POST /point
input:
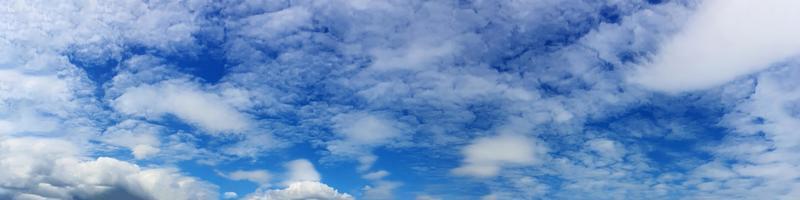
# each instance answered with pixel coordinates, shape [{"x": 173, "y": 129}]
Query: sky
[{"x": 399, "y": 99}]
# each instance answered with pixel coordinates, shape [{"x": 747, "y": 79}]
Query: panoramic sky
[{"x": 399, "y": 99}]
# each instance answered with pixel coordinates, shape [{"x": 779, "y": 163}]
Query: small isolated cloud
[
  {"x": 427, "y": 197},
  {"x": 725, "y": 39},
  {"x": 261, "y": 177},
  {"x": 485, "y": 157},
  {"x": 230, "y": 195},
  {"x": 184, "y": 100},
  {"x": 376, "y": 175}
]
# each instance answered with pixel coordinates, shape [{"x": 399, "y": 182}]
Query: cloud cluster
[
  {"x": 39, "y": 168},
  {"x": 526, "y": 99}
]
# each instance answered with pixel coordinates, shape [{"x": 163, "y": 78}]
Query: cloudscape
[{"x": 399, "y": 99}]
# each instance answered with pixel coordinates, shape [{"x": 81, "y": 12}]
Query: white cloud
[
  {"x": 262, "y": 177},
  {"x": 230, "y": 195},
  {"x": 724, "y": 40},
  {"x": 376, "y": 175},
  {"x": 271, "y": 25},
  {"x": 485, "y": 157},
  {"x": 427, "y": 197},
  {"x": 184, "y": 100},
  {"x": 360, "y": 133},
  {"x": 140, "y": 137},
  {"x": 98, "y": 30},
  {"x": 380, "y": 190},
  {"x": 418, "y": 55},
  {"x": 53, "y": 168},
  {"x": 758, "y": 159},
  {"x": 300, "y": 170},
  {"x": 302, "y": 191},
  {"x": 606, "y": 148},
  {"x": 302, "y": 182},
  {"x": 365, "y": 129}
]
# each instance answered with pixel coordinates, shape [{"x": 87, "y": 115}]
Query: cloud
[
  {"x": 141, "y": 138},
  {"x": 607, "y": 148},
  {"x": 302, "y": 182},
  {"x": 427, "y": 197},
  {"x": 360, "y": 133},
  {"x": 184, "y": 100},
  {"x": 485, "y": 157},
  {"x": 757, "y": 159},
  {"x": 722, "y": 41},
  {"x": 300, "y": 191},
  {"x": 365, "y": 129},
  {"x": 105, "y": 28},
  {"x": 261, "y": 177},
  {"x": 230, "y": 195},
  {"x": 380, "y": 190},
  {"x": 52, "y": 168},
  {"x": 376, "y": 175},
  {"x": 300, "y": 170}
]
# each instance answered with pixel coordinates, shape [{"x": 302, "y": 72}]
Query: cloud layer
[{"x": 384, "y": 99}]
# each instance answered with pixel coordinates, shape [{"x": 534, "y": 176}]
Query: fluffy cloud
[
  {"x": 230, "y": 195},
  {"x": 302, "y": 190},
  {"x": 302, "y": 182},
  {"x": 51, "y": 168},
  {"x": 722, "y": 41},
  {"x": 485, "y": 157},
  {"x": 141, "y": 138},
  {"x": 184, "y": 100},
  {"x": 349, "y": 78},
  {"x": 300, "y": 170}
]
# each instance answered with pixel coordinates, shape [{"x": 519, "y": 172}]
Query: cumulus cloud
[
  {"x": 302, "y": 182},
  {"x": 184, "y": 100},
  {"x": 722, "y": 41},
  {"x": 300, "y": 191},
  {"x": 352, "y": 77},
  {"x": 51, "y": 168},
  {"x": 485, "y": 157}
]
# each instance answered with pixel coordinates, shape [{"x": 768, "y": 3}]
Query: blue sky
[{"x": 375, "y": 100}]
